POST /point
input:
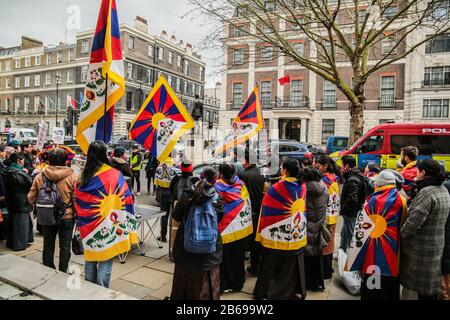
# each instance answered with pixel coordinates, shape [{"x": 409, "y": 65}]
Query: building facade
[
  {"x": 28, "y": 76},
  {"x": 309, "y": 108}
]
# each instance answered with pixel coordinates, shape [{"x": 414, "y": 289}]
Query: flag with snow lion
[
  {"x": 106, "y": 215},
  {"x": 282, "y": 223},
  {"x": 161, "y": 121},
  {"x": 377, "y": 233}
]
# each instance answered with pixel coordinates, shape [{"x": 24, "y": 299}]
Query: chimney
[
  {"x": 141, "y": 24},
  {"x": 189, "y": 48}
]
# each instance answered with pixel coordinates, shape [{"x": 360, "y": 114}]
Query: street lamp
[{"x": 58, "y": 78}]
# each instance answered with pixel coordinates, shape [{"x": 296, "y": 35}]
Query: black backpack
[
  {"x": 366, "y": 190},
  {"x": 50, "y": 209}
]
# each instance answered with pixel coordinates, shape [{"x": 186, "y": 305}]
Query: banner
[
  {"x": 43, "y": 128},
  {"x": 58, "y": 135}
]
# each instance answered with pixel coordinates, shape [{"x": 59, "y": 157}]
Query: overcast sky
[{"x": 46, "y": 20}]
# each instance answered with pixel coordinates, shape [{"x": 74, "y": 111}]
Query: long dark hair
[
  {"x": 332, "y": 167},
  {"x": 311, "y": 174},
  {"x": 97, "y": 156},
  {"x": 291, "y": 166}
]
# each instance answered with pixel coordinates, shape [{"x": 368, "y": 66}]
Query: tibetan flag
[
  {"x": 334, "y": 202},
  {"x": 284, "y": 80},
  {"x": 247, "y": 124},
  {"x": 161, "y": 121},
  {"x": 70, "y": 153},
  {"x": 409, "y": 172},
  {"x": 236, "y": 223},
  {"x": 106, "y": 215},
  {"x": 377, "y": 233},
  {"x": 282, "y": 223},
  {"x": 105, "y": 67}
]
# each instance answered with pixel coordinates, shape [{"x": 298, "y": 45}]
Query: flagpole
[{"x": 105, "y": 108}]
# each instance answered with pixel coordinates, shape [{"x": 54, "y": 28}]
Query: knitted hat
[
  {"x": 385, "y": 178},
  {"x": 186, "y": 167},
  {"x": 399, "y": 180},
  {"x": 9, "y": 151}
]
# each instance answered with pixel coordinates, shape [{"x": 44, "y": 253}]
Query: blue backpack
[{"x": 201, "y": 229}]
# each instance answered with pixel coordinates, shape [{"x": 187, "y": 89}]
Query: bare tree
[{"x": 338, "y": 31}]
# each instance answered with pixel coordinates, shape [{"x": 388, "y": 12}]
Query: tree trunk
[{"x": 356, "y": 122}]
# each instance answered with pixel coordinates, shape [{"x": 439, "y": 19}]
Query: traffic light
[{"x": 197, "y": 112}]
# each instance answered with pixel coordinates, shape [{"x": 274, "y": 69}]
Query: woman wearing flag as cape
[
  {"x": 282, "y": 234},
  {"x": 234, "y": 227},
  {"x": 105, "y": 212},
  {"x": 374, "y": 250}
]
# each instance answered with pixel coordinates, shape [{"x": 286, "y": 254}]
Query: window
[
  {"x": 26, "y": 104},
  {"x": 383, "y": 121},
  {"x": 329, "y": 94},
  {"x": 299, "y": 49},
  {"x": 440, "y": 10},
  {"x": 266, "y": 54},
  {"x": 170, "y": 57},
  {"x": 327, "y": 129},
  {"x": 129, "y": 100},
  {"x": 48, "y": 79},
  {"x": 298, "y": 22},
  {"x": 140, "y": 73},
  {"x": 371, "y": 144},
  {"x": 266, "y": 29},
  {"x": 389, "y": 13},
  {"x": 70, "y": 55},
  {"x": 186, "y": 67},
  {"x": 437, "y": 76},
  {"x": 58, "y": 77},
  {"x": 69, "y": 76},
  {"x": 48, "y": 103},
  {"x": 37, "y": 80},
  {"x": 85, "y": 47},
  {"x": 27, "y": 62},
  {"x": 238, "y": 56},
  {"x": 241, "y": 11},
  {"x": 7, "y": 83},
  {"x": 8, "y": 66},
  {"x": 238, "y": 31},
  {"x": 387, "y": 92},
  {"x": 37, "y": 60},
  {"x": 16, "y": 104},
  {"x": 185, "y": 91},
  {"x": 388, "y": 44},
  {"x": 160, "y": 54},
  {"x": 266, "y": 93},
  {"x": 129, "y": 71},
  {"x": 17, "y": 65},
  {"x": 17, "y": 82},
  {"x": 131, "y": 42},
  {"x": 37, "y": 101},
  {"x": 427, "y": 144},
  {"x": 270, "y": 5},
  {"x": 169, "y": 80},
  {"x": 435, "y": 108},
  {"x": 238, "y": 88},
  {"x": 202, "y": 73},
  {"x": 59, "y": 57},
  {"x": 438, "y": 44},
  {"x": 26, "y": 81},
  {"x": 296, "y": 92},
  {"x": 178, "y": 85},
  {"x": 151, "y": 49},
  {"x": 361, "y": 16},
  {"x": 84, "y": 73},
  {"x": 49, "y": 59},
  {"x": 327, "y": 46}
]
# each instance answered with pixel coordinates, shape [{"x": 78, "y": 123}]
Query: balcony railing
[
  {"x": 436, "y": 83},
  {"x": 387, "y": 103}
]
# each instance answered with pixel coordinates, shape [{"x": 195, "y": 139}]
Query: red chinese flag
[{"x": 284, "y": 80}]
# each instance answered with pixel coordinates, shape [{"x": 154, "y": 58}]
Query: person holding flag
[{"x": 105, "y": 83}]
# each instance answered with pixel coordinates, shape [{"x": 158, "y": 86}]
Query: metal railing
[{"x": 387, "y": 102}]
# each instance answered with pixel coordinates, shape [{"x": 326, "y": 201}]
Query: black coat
[
  {"x": 353, "y": 195},
  {"x": 28, "y": 163},
  {"x": 254, "y": 182},
  {"x": 17, "y": 185},
  {"x": 190, "y": 261},
  {"x": 446, "y": 254}
]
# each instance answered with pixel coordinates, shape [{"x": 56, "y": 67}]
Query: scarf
[
  {"x": 428, "y": 181},
  {"x": 334, "y": 202},
  {"x": 16, "y": 166}
]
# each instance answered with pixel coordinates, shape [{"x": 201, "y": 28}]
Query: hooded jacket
[
  {"x": 65, "y": 179},
  {"x": 121, "y": 165},
  {"x": 353, "y": 195},
  {"x": 17, "y": 185}
]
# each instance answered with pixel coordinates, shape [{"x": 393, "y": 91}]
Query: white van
[{"x": 23, "y": 134}]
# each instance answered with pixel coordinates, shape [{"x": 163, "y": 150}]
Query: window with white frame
[
  {"x": 440, "y": 10},
  {"x": 437, "y": 76},
  {"x": 299, "y": 48},
  {"x": 327, "y": 46},
  {"x": 266, "y": 93},
  {"x": 186, "y": 67},
  {"x": 171, "y": 57},
  {"x": 185, "y": 91},
  {"x": 130, "y": 70},
  {"x": 202, "y": 73},
  {"x": 70, "y": 55},
  {"x": 7, "y": 103},
  {"x": 328, "y": 126},
  {"x": 59, "y": 57},
  {"x": 160, "y": 53},
  {"x": 8, "y": 65},
  {"x": 388, "y": 44},
  {"x": 266, "y": 54},
  {"x": 329, "y": 94},
  {"x": 179, "y": 61},
  {"x": 387, "y": 99},
  {"x": 238, "y": 89},
  {"x": 296, "y": 92},
  {"x": 270, "y": 5},
  {"x": 17, "y": 82},
  {"x": 266, "y": 29},
  {"x": 27, "y": 62},
  {"x": 37, "y": 60},
  {"x": 16, "y": 104},
  {"x": 49, "y": 59},
  {"x": 26, "y": 82},
  {"x": 7, "y": 83},
  {"x": 435, "y": 108},
  {"x": 169, "y": 79},
  {"x": 178, "y": 85},
  {"x": 238, "y": 56},
  {"x": 48, "y": 103},
  {"x": 438, "y": 44},
  {"x": 85, "y": 46},
  {"x": 131, "y": 42},
  {"x": 238, "y": 31},
  {"x": 69, "y": 76},
  {"x": 48, "y": 79},
  {"x": 17, "y": 63},
  {"x": 26, "y": 104},
  {"x": 37, "y": 80},
  {"x": 389, "y": 13},
  {"x": 84, "y": 73},
  {"x": 37, "y": 101},
  {"x": 150, "y": 49}
]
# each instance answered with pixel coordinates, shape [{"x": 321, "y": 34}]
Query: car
[
  {"x": 197, "y": 169},
  {"x": 285, "y": 148},
  {"x": 76, "y": 148},
  {"x": 121, "y": 141},
  {"x": 315, "y": 149},
  {"x": 336, "y": 143}
]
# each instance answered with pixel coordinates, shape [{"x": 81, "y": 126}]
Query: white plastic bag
[{"x": 351, "y": 280}]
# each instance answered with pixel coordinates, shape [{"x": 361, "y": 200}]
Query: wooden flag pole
[{"x": 105, "y": 108}]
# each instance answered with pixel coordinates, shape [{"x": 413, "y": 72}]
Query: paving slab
[
  {"x": 163, "y": 264},
  {"x": 26, "y": 297},
  {"x": 149, "y": 278},
  {"x": 133, "y": 263},
  {"x": 236, "y": 296},
  {"x": 130, "y": 288},
  {"x": 339, "y": 292},
  {"x": 7, "y": 291},
  {"x": 163, "y": 292},
  {"x": 249, "y": 284}
]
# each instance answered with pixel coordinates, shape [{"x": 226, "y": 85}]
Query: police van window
[
  {"x": 371, "y": 144},
  {"x": 427, "y": 144}
]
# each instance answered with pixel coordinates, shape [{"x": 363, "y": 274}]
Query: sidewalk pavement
[{"x": 150, "y": 277}]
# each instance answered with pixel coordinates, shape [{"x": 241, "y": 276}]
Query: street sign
[
  {"x": 58, "y": 135},
  {"x": 43, "y": 128}
]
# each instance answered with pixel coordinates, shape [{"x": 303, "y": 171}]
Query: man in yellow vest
[{"x": 136, "y": 166}]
